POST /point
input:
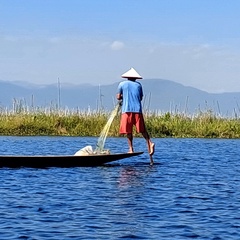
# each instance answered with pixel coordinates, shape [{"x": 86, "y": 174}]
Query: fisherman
[{"x": 130, "y": 92}]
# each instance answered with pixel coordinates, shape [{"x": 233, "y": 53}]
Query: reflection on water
[
  {"x": 192, "y": 191},
  {"x": 131, "y": 176},
  {"x": 128, "y": 177}
]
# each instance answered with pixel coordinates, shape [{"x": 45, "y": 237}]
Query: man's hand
[{"x": 119, "y": 96}]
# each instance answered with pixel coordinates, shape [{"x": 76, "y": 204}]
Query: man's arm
[{"x": 119, "y": 96}]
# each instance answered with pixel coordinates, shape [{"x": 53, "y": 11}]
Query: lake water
[{"x": 191, "y": 192}]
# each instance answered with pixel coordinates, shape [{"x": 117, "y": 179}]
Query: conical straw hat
[{"x": 131, "y": 74}]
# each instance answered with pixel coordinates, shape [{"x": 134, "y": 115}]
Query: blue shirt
[{"x": 132, "y": 95}]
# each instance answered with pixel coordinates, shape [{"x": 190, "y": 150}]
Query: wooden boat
[{"x": 47, "y": 161}]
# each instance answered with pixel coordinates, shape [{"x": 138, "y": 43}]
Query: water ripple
[{"x": 192, "y": 192}]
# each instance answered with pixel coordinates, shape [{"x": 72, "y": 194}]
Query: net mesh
[{"x": 103, "y": 135}]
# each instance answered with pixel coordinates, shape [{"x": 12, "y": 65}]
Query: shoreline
[{"x": 204, "y": 125}]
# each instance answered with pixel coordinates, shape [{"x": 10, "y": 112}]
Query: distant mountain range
[{"x": 159, "y": 95}]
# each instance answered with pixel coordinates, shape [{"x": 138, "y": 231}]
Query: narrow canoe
[{"x": 39, "y": 161}]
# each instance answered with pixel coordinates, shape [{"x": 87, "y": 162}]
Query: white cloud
[
  {"x": 117, "y": 45},
  {"x": 80, "y": 60}
]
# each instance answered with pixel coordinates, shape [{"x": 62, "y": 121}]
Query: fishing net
[
  {"x": 88, "y": 150},
  {"x": 103, "y": 135}
]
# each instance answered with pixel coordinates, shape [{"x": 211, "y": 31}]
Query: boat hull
[{"x": 61, "y": 161}]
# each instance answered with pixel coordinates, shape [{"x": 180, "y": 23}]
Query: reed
[
  {"x": 202, "y": 125},
  {"x": 21, "y": 121}
]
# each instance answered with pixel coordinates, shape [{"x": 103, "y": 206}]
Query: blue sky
[{"x": 192, "y": 42}]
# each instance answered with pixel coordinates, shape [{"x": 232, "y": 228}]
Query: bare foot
[
  {"x": 152, "y": 149},
  {"x": 130, "y": 151}
]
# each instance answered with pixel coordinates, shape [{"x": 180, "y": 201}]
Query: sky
[{"x": 192, "y": 42}]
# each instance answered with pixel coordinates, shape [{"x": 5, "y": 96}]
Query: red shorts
[{"x": 128, "y": 120}]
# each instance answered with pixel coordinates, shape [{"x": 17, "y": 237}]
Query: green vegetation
[{"x": 201, "y": 125}]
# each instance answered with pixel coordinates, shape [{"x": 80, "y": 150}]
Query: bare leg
[
  {"x": 130, "y": 142},
  {"x": 150, "y": 145},
  {"x": 151, "y": 159}
]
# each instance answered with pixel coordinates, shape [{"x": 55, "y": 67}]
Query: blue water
[{"x": 191, "y": 192}]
